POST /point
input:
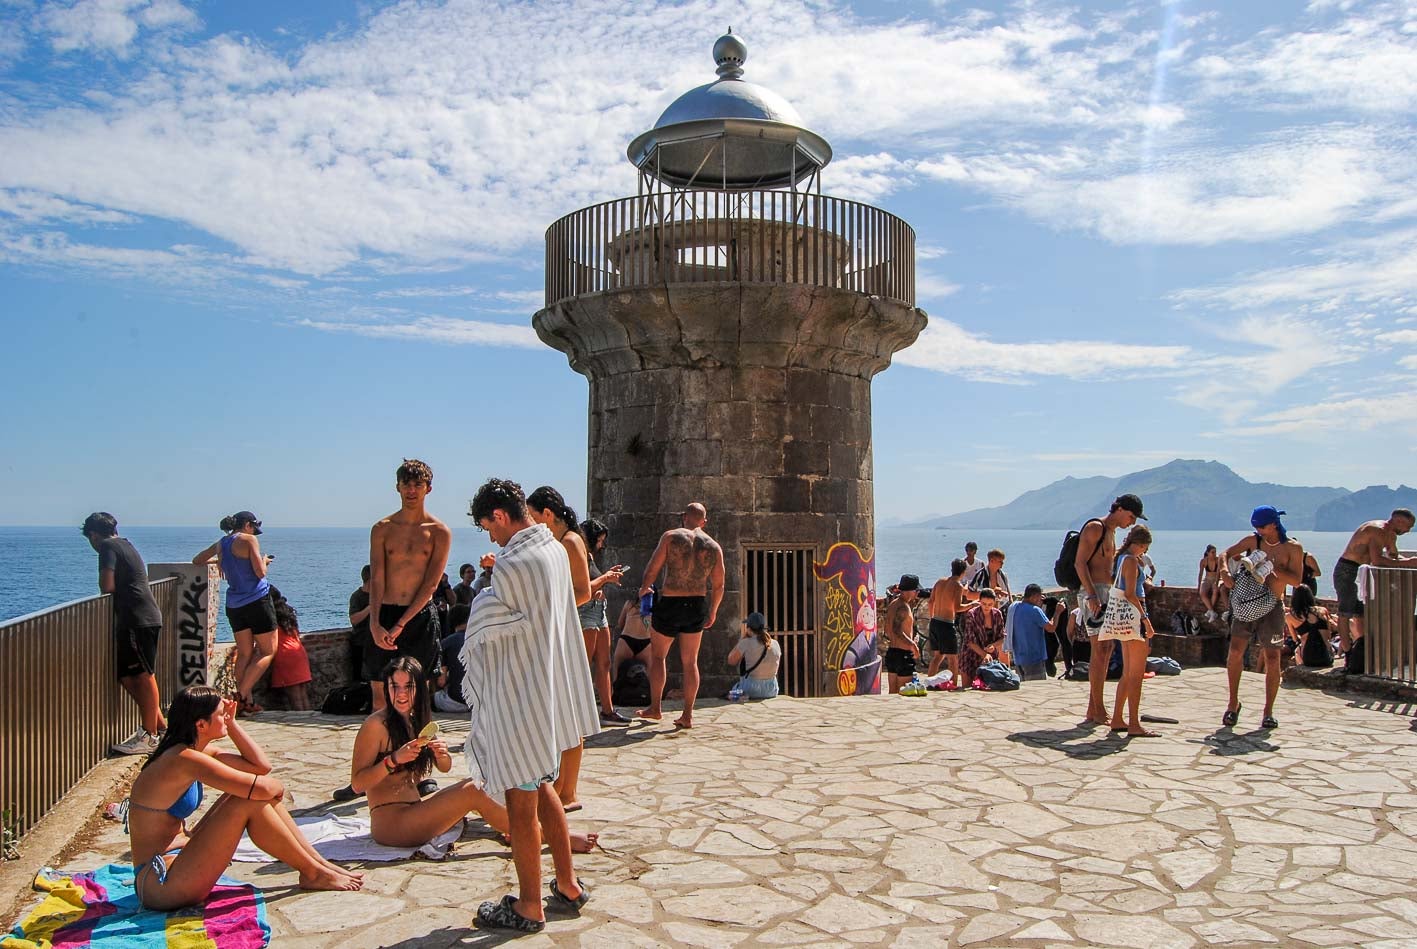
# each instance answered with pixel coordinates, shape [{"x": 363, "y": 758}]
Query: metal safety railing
[
  {"x": 1390, "y": 624},
  {"x": 677, "y": 237},
  {"x": 61, "y": 705}
]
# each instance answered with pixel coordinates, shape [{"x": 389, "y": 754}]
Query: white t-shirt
[
  {"x": 750, "y": 649},
  {"x": 971, "y": 570}
]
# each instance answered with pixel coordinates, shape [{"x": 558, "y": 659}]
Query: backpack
[
  {"x": 997, "y": 677},
  {"x": 1065, "y": 569},
  {"x": 632, "y": 684},
  {"x": 1078, "y": 673},
  {"x": 1163, "y": 665},
  {"x": 355, "y": 699}
]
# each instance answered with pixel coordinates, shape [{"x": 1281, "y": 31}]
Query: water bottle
[{"x": 647, "y": 604}]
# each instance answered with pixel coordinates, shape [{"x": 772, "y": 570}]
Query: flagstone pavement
[{"x": 953, "y": 819}]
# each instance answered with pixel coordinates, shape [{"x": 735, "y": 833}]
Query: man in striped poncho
[{"x": 528, "y": 684}]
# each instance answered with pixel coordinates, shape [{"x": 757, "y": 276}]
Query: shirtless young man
[
  {"x": 408, "y": 552},
  {"x": 689, "y": 594},
  {"x": 1374, "y": 544},
  {"x": 947, "y": 599},
  {"x": 1278, "y": 562},
  {"x": 902, "y": 650},
  {"x": 1097, "y": 552}
]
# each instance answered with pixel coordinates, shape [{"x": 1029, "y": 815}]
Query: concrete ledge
[{"x": 1336, "y": 680}]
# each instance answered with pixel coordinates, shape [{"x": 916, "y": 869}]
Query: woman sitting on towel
[
  {"x": 390, "y": 759},
  {"x": 177, "y": 867}
]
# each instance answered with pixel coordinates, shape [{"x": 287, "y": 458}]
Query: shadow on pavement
[
  {"x": 1227, "y": 743},
  {"x": 1060, "y": 740}
]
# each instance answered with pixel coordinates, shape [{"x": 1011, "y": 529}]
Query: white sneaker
[
  {"x": 1210, "y": 616},
  {"x": 138, "y": 743},
  {"x": 1225, "y": 617}
]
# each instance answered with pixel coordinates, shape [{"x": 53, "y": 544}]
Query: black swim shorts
[
  {"x": 944, "y": 638},
  {"x": 679, "y": 614},
  {"x": 900, "y": 662},
  {"x": 1345, "y": 584},
  {"x": 258, "y": 616},
  {"x": 135, "y": 650},
  {"x": 419, "y": 639}
]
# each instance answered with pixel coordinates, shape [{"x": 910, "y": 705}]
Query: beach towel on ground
[
  {"x": 340, "y": 838},
  {"x": 528, "y": 680},
  {"x": 100, "y": 908}
]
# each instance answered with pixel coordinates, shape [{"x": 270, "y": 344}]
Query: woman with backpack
[
  {"x": 1127, "y": 623},
  {"x": 1313, "y": 626}
]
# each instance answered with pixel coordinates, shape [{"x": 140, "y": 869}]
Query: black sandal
[
  {"x": 503, "y": 915},
  {"x": 1231, "y": 717},
  {"x": 560, "y": 903},
  {"x": 1269, "y": 722}
]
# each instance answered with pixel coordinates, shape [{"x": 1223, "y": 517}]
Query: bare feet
[
  {"x": 683, "y": 722},
  {"x": 341, "y": 871},
  {"x": 1116, "y": 726},
  {"x": 325, "y": 880},
  {"x": 583, "y": 843},
  {"x": 653, "y": 715},
  {"x": 1142, "y": 733}
]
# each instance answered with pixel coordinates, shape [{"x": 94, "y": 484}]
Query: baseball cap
[
  {"x": 908, "y": 582},
  {"x": 1267, "y": 514},
  {"x": 1132, "y": 503},
  {"x": 242, "y": 518},
  {"x": 756, "y": 621}
]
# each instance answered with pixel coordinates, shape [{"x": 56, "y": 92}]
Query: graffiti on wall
[
  {"x": 192, "y": 630},
  {"x": 849, "y": 619}
]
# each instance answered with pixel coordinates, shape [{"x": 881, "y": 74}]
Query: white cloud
[
  {"x": 1365, "y": 60},
  {"x": 32, "y": 207},
  {"x": 109, "y": 25},
  {"x": 1297, "y": 183},
  {"x": 439, "y": 329},
  {"x": 1365, "y": 413},
  {"x": 949, "y": 348}
]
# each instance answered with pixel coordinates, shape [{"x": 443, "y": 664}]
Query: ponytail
[
  {"x": 547, "y": 498},
  {"x": 228, "y": 524}
]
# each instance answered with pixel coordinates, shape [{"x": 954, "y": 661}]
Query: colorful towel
[{"x": 101, "y": 909}]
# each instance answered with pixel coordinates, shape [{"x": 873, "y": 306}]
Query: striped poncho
[{"x": 528, "y": 680}]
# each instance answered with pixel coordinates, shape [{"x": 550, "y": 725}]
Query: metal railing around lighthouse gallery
[
  {"x": 678, "y": 237},
  {"x": 1389, "y": 624},
  {"x": 60, "y": 705}
]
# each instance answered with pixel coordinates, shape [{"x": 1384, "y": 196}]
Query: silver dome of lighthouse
[{"x": 730, "y": 134}]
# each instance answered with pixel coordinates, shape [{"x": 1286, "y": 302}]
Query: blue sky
[{"x": 252, "y": 254}]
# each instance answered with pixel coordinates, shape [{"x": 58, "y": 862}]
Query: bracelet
[
  {"x": 252, "y": 788},
  {"x": 390, "y": 765}
]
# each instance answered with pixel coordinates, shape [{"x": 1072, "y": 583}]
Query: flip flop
[
  {"x": 1269, "y": 721},
  {"x": 560, "y": 903},
  {"x": 1231, "y": 717},
  {"x": 1160, "y": 719},
  {"x": 503, "y": 915},
  {"x": 572, "y": 807},
  {"x": 1144, "y": 734}
]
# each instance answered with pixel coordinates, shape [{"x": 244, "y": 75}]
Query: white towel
[
  {"x": 528, "y": 679},
  {"x": 1365, "y": 583},
  {"x": 341, "y": 839}
]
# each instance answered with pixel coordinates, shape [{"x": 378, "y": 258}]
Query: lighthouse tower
[{"x": 729, "y": 318}]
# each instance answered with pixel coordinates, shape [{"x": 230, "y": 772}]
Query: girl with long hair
[
  {"x": 595, "y": 620},
  {"x": 178, "y": 867},
  {"x": 1128, "y": 578},
  {"x": 547, "y": 506},
  {"x": 390, "y": 759}
]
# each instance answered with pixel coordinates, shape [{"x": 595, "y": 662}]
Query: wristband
[{"x": 390, "y": 765}]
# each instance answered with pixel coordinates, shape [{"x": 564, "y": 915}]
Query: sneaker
[
  {"x": 138, "y": 743},
  {"x": 346, "y": 793},
  {"x": 1225, "y": 617},
  {"x": 1210, "y": 616}
]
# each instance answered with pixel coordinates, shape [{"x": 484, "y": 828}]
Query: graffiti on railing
[
  {"x": 192, "y": 631},
  {"x": 849, "y": 619}
]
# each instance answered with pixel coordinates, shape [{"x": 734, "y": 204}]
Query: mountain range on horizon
[{"x": 1184, "y": 494}]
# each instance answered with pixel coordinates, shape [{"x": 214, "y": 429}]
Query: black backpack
[
  {"x": 632, "y": 684},
  {"x": 357, "y": 699},
  {"x": 1065, "y": 570}
]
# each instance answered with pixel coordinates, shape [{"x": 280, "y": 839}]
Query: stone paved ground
[{"x": 952, "y": 819}]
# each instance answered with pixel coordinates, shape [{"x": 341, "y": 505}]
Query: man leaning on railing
[{"x": 137, "y": 623}]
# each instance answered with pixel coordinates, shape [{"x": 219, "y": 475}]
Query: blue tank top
[
  {"x": 242, "y": 584},
  {"x": 1140, "y": 591}
]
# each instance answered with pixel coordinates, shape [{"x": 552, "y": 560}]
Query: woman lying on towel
[
  {"x": 177, "y": 867},
  {"x": 390, "y": 759}
]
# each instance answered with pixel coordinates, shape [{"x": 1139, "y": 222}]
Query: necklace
[{"x": 1275, "y": 544}]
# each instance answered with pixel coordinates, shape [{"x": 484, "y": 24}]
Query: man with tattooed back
[{"x": 689, "y": 593}]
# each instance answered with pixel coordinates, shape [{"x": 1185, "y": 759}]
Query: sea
[{"x": 317, "y": 568}]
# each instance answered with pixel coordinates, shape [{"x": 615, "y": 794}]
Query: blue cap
[{"x": 1265, "y": 515}]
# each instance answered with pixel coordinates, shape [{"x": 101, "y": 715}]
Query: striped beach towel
[
  {"x": 528, "y": 679},
  {"x": 100, "y": 908}
]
